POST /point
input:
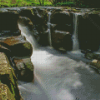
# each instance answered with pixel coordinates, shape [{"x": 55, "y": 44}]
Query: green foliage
[
  {"x": 88, "y": 3},
  {"x": 66, "y": 3},
  {"x": 12, "y": 3}
]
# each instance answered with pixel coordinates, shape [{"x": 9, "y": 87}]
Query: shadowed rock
[
  {"x": 25, "y": 69},
  {"x": 8, "y": 23}
]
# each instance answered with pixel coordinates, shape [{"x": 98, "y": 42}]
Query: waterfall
[
  {"x": 30, "y": 38},
  {"x": 48, "y": 23},
  {"x": 75, "y": 35}
]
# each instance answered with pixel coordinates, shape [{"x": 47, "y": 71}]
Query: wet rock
[
  {"x": 37, "y": 25},
  {"x": 43, "y": 39},
  {"x": 22, "y": 49},
  {"x": 6, "y": 33},
  {"x": 18, "y": 46},
  {"x": 41, "y": 15},
  {"x": 8, "y": 24},
  {"x": 40, "y": 20},
  {"x": 61, "y": 39},
  {"x": 61, "y": 17},
  {"x": 8, "y": 81},
  {"x": 8, "y": 21},
  {"x": 94, "y": 61},
  {"x": 61, "y": 27},
  {"x": 96, "y": 65},
  {"x": 26, "y": 21},
  {"x": 25, "y": 69},
  {"x": 88, "y": 31},
  {"x": 26, "y": 13},
  {"x": 92, "y": 56}
]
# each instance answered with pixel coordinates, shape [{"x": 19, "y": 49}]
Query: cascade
[
  {"x": 30, "y": 38},
  {"x": 48, "y": 23},
  {"x": 75, "y": 33}
]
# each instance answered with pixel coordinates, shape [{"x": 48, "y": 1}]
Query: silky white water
[
  {"x": 48, "y": 23},
  {"x": 75, "y": 34},
  {"x": 59, "y": 76}
]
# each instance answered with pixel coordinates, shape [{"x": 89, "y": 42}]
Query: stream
[{"x": 58, "y": 75}]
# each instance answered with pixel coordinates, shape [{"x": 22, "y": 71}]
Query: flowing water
[
  {"x": 48, "y": 23},
  {"x": 59, "y": 76},
  {"x": 75, "y": 33}
]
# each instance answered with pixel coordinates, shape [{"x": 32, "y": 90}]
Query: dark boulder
[
  {"x": 25, "y": 69},
  {"x": 8, "y": 21},
  {"x": 18, "y": 46},
  {"x": 61, "y": 39},
  {"x": 88, "y": 31},
  {"x": 61, "y": 17}
]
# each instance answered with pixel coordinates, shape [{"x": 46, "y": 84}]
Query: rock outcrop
[
  {"x": 88, "y": 31},
  {"x": 8, "y": 81},
  {"x": 24, "y": 69},
  {"x": 61, "y": 29},
  {"x": 8, "y": 23},
  {"x": 17, "y": 46},
  {"x": 36, "y": 19}
]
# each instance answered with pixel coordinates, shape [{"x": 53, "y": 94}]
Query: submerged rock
[
  {"x": 92, "y": 56},
  {"x": 25, "y": 69},
  {"x": 8, "y": 81}
]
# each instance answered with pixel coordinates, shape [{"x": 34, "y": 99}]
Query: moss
[
  {"x": 92, "y": 56},
  {"x": 27, "y": 45},
  {"x": 74, "y": 10},
  {"x": 96, "y": 12},
  {"x": 29, "y": 66},
  {"x": 32, "y": 11},
  {"x": 8, "y": 77},
  {"x": 5, "y": 93},
  {"x": 97, "y": 65}
]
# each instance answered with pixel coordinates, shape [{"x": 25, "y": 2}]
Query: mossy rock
[
  {"x": 22, "y": 50},
  {"x": 5, "y": 93},
  {"x": 25, "y": 69},
  {"x": 92, "y": 56},
  {"x": 18, "y": 46},
  {"x": 97, "y": 65},
  {"x": 8, "y": 81}
]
